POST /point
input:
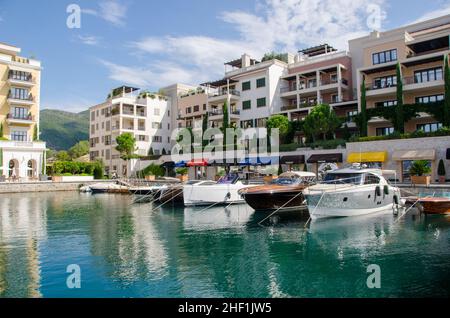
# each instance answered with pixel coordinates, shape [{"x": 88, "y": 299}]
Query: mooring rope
[{"x": 301, "y": 192}]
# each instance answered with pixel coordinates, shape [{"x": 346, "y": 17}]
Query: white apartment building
[{"x": 128, "y": 110}]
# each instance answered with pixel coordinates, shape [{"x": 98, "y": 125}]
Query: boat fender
[
  {"x": 386, "y": 190},
  {"x": 396, "y": 199},
  {"x": 228, "y": 196},
  {"x": 378, "y": 191}
]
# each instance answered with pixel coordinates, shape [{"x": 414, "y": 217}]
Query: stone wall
[{"x": 48, "y": 186}]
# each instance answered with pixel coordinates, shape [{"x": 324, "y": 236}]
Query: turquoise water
[{"x": 126, "y": 250}]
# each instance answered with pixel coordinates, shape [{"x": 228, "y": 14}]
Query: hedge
[{"x": 76, "y": 168}]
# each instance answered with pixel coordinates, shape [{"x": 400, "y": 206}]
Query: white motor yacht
[
  {"x": 351, "y": 192},
  {"x": 224, "y": 191}
]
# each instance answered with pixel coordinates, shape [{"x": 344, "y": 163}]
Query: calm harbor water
[{"x": 127, "y": 250}]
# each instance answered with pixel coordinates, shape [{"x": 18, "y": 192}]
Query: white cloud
[
  {"x": 279, "y": 25},
  {"x": 89, "y": 39},
  {"x": 111, "y": 11},
  {"x": 433, "y": 14}
]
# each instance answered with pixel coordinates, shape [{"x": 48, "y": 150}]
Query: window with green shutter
[
  {"x": 246, "y": 86},
  {"x": 261, "y": 102},
  {"x": 261, "y": 82},
  {"x": 247, "y": 104}
]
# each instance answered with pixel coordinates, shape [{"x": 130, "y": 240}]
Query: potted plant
[
  {"x": 182, "y": 174},
  {"x": 441, "y": 171},
  {"x": 150, "y": 177},
  {"x": 418, "y": 171}
]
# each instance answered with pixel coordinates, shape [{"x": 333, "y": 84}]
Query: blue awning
[
  {"x": 180, "y": 164},
  {"x": 263, "y": 161}
]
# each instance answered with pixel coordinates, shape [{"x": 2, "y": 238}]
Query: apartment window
[
  {"x": 385, "y": 81},
  {"x": 333, "y": 78},
  {"x": 385, "y": 131},
  {"x": 168, "y": 140},
  {"x": 103, "y": 125},
  {"x": 108, "y": 155},
  {"x": 103, "y": 153},
  {"x": 20, "y": 93},
  {"x": 168, "y": 113},
  {"x": 188, "y": 110},
  {"x": 261, "y": 102},
  {"x": 17, "y": 135},
  {"x": 261, "y": 82},
  {"x": 312, "y": 82},
  {"x": 261, "y": 122},
  {"x": 168, "y": 126},
  {"x": 429, "y": 75},
  {"x": 20, "y": 112},
  {"x": 196, "y": 108},
  {"x": 157, "y": 139},
  {"x": 429, "y": 127},
  {"x": 156, "y": 125},
  {"x": 92, "y": 116},
  {"x": 96, "y": 126},
  {"x": 204, "y": 106},
  {"x": 246, "y": 86},
  {"x": 156, "y": 152},
  {"x": 103, "y": 111},
  {"x": 108, "y": 125},
  {"x": 247, "y": 123},
  {"x": 156, "y": 112},
  {"x": 334, "y": 98},
  {"x": 387, "y": 103},
  {"x": 141, "y": 138},
  {"x": 429, "y": 99},
  {"x": 20, "y": 76},
  {"x": 97, "y": 113},
  {"x": 107, "y": 140},
  {"x": 92, "y": 129},
  {"x": 247, "y": 104},
  {"x": 384, "y": 57},
  {"x": 351, "y": 114}
]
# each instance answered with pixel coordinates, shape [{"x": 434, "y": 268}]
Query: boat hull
[
  {"x": 435, "y": 205},
  {"x": 197, "y": 194},
  {"x": 351, "y": 202},
  {"x": 283, "y": 200},
  {"x": 173, "y": 195}
]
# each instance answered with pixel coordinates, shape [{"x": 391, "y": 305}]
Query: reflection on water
[{"x": 129, "y": 250}]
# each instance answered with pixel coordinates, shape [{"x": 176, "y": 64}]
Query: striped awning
[
  {"x": 197, "y": 163},
  {"x": 360, "y": 157},
  {"x": 422, "y": 154}
]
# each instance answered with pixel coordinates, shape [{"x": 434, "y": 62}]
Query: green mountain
[{"x": 61, "y": 130}]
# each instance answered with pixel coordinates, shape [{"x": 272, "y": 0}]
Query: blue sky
[{"x": 150, "y": 44}]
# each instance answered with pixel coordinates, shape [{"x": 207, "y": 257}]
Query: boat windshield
[
  {"x": 343, "y": 178},
  {"x": 228, "y": 179},
  {"x": 285, "y": 181}
]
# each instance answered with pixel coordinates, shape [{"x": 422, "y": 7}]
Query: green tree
[
  {"x": 99, "y": 170},
  {"x": 363, "y": 115},
  {"x": 346, "y": 133},
  {"x": 204, "y": 128},
  {"x": 446, "y": 114},
  {"x": 35, "y": 133},
  {"x": 441, "y": 168},
  {"x": 80, "y": 149},
  {"x": 63, "y": 156},
  {"x": 126, "y": 145},
  {"x": 419, "y": 168},
  {"x": 279, "y": 122},
  {"x": 399, "y": 122},
  {"x": 322, "y": 120},
  {"x": 274, "y": 55},
  {"x": 1, "y": 130}
]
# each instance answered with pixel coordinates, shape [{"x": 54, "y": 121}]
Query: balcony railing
[
  {"x": 219, "y": 112},
  {"x": 308, "y": 104},
  {"x": 288, "y": 107},
  {"x": 127, "y": 112},
  {"x": 142, "y": 128},
  {"x": 333, "y": 81},
  {"x": 413, "y": 80},
  {"x": 413, "y": 54},
  {"x": 287, "y": 89},
  {"x": 20, "y": 117},
  {"x": 28, "y": 98},
  {"x": 225, "y": 92},
  {"x": 20, "y": 77},
  {"x": 375, "y": 86}
]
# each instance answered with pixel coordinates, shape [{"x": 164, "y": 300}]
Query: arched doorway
[
  {"x": 14, "y": 171},
  {"x": 31, "y": 168}
]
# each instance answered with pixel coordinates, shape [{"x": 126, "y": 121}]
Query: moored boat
[
  {"x": 435, "y": 205},
  {"x": 224, "y": 191},
  {"x": 283, "y": 193},
  {"x": 109, "y": 187},
  {"x": 352, "y": 192}
]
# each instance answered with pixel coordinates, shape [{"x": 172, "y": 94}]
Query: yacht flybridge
[{"x": 351, "y": 192}]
